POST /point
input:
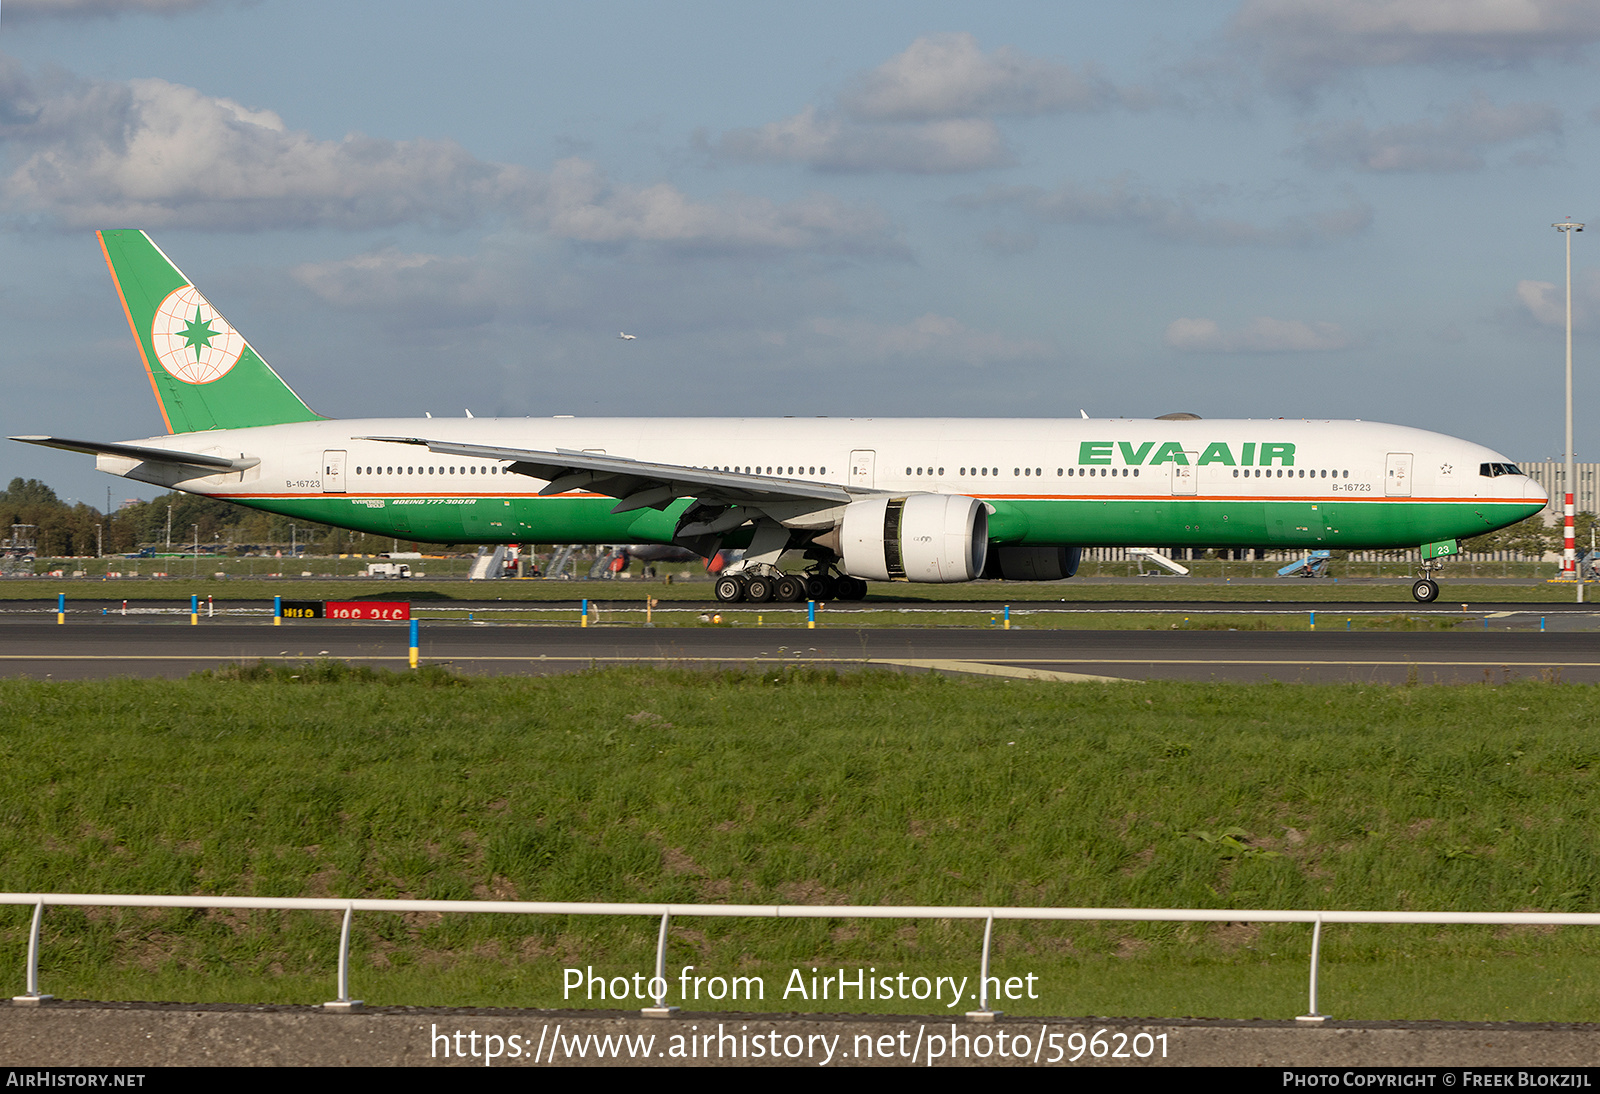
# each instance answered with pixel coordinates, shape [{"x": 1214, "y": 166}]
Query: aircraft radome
[{"x": 921, "y": 500}]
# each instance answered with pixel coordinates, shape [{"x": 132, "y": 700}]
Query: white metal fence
[{"x": 658, "y": 984}]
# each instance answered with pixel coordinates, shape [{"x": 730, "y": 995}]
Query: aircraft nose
[{"x": 1534, "y": 492}]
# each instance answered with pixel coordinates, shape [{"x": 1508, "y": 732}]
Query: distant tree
[
  {"x": 1530, "y": 538},
  {"x": 25, "y": 492}
]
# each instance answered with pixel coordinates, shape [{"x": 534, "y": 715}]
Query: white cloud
[
  {"x": 1455, "y": 143},
  {"x": 1122, "y": 202},
  {"x": 1260, "y": 335},
  {"x": 1304, "y": 43},
  {"x": 435, "y": 290},
  {"x": 580, "y": 204},
  {"x": 929, "y": 110},
  {"x": 91, "y": 9},
  {"x": 830, "y": 143},
  {"x": 944, "y": 76},
  {"x": 929, "y": 339},
  {"x": 158, "y": 154},
  {"x": 1546, "y": 302}
]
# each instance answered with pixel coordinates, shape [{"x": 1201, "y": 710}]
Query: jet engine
[
  {"x": 1033, "y": 563},
  {"x": 924, "y": 537}
]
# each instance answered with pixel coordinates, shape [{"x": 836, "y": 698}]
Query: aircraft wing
[
  {"x": 145, "y": 454},
  {"x": 637, "y": 484}
]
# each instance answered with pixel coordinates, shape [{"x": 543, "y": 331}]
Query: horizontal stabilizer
[{"x": 144, "y": 453}]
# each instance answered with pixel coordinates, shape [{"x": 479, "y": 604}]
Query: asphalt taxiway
[{"x": 113, "y": 646}]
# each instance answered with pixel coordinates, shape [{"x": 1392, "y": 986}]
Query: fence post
[
  {"x": 660, "y": 1010},
  {"x": 984, "y": 1013},
  {"x": 1313, "y": 1015},
  {"x": 32, "y": 998},
  {"x": 344, "y": 1002}
]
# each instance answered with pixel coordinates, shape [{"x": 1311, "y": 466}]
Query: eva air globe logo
[{"x": 193, "y": 342}]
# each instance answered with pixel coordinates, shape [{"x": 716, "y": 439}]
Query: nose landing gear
[{"x": 1426, "y": 589}]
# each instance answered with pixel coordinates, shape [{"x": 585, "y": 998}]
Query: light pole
[{"x": 1569, "y": 547}]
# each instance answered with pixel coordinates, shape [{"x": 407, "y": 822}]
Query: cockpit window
[{"x": 1495, "y": 470}]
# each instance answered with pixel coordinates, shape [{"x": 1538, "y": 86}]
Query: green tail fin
[{"x": 205, "y": 375}]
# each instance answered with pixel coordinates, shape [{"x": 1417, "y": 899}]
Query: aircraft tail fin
[{"x": 205, "y": 375}]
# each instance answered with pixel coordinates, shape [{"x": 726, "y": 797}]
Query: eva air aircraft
[{"x": 930, "y": 500}]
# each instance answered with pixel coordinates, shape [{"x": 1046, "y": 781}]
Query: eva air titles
[{"x": 1149, "y": 454}]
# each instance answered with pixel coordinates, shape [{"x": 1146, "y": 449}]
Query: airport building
[{"x": 1552, "y": 474}]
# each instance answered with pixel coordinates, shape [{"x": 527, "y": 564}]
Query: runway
[{"x": 134, "y": 647}]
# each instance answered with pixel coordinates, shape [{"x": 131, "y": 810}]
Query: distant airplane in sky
[
  {"x": 626, "y": 337},
  {"x": 921, "y": 500}
]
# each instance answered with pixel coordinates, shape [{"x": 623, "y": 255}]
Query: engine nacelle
[
  {"x": 925, "y": 537},
  {"x": 1033, "y": 563}
]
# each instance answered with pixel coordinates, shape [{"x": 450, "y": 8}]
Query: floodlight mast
[{"x": 1569, "y": 546}]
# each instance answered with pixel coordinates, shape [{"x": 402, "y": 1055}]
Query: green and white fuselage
[
  {"x": 935, "y": 500},
  {"x": 1096, "y": 482}
]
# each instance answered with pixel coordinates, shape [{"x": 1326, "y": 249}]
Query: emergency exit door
[{"x": 333, "y": 471}]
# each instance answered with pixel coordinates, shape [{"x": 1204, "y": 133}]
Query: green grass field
[{"x": 807, "y": 787}]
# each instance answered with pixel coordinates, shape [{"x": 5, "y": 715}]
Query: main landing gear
[{"x": 762, "y": 588}]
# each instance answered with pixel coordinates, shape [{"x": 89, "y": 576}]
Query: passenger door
[
  {"x": 861, "y": 467},
  {"x": 1397, "y": 475},
  {"x": 1183, "y": 476}
]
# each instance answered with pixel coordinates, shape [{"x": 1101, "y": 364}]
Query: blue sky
[{"x": 1262, "y": 209}]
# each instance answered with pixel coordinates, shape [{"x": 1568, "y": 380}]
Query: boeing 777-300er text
[{"x": 930, "y": 500}]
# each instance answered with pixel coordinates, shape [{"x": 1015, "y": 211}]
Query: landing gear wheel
[
  {"x": 821, "y": 587},
  {"x": 852, "y": 588},
  {"x": 730, "y": 590},
  {"x": 759, "y": 589},
  {"x": 789, "y": 589},
  {"x": 1426, "y": 590}
]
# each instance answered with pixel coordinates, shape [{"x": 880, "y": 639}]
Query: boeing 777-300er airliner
[{"x": 930, "y": 500}]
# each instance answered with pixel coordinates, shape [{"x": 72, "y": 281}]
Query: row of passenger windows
[
  {"x": 492, "y": 469},
  {"x": 1020, "y": 472},
  {"x": 1291, "y": 474},
  {"x": 1026, "y": 472}
]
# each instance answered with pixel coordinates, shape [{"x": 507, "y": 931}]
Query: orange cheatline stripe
[
  {"x": 138, "y": 341},
  {"x": 982, "y": 497},
  {"x": 397, "y": 497},
  {"x": 1318, "y": 500}
]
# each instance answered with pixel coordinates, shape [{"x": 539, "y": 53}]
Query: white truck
[{"x": 388, "y": 569}]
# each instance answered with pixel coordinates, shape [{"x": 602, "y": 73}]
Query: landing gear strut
[
  {"x": 758, "y": 579},
  {"x": 1426, "y": 589}
]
